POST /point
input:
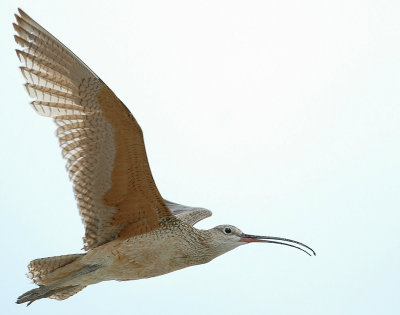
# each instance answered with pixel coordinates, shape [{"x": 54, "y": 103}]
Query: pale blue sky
[{"x": 282, "y": 117}]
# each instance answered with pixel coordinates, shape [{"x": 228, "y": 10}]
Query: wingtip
[
  {"x": 17, "y": 28},
  {"x": 18, "y": 18},
  {"x": 17, "y": 40},
  {"x": 25, "y": 16},
  {"x": 19, "y": 53},
  {"x": 22, "y": 12}
]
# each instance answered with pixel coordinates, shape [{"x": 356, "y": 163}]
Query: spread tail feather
[{"x": 41, "y": 267}]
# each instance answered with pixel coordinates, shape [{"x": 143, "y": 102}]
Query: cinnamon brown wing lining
[{"x": 99, "y": 137}]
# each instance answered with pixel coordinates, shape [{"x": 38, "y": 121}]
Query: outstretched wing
[
  {"x": 189, "y": 215},
  {"x": 99, "y": 137}
]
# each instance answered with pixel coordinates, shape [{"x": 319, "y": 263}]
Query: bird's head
[{"x": 227, "y": 237}]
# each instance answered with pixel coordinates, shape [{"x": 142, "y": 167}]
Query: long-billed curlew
[{"x": 131, "y": 232}]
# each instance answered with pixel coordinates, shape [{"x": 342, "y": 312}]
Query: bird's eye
[{"x": 227, "y": 230}]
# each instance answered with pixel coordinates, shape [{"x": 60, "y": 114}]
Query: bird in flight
[{"x": 131, "y": 232}]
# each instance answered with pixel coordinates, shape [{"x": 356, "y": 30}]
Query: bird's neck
[{"x": 207, "y": 247}]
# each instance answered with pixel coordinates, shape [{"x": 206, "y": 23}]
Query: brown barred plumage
[{"x": 99, "y": 138}]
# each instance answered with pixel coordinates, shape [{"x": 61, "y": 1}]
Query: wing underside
[
  {"x": 189, "y": 215},
  {"x": 99, "y": 138}
]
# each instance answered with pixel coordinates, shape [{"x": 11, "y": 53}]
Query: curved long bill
[{"x": 277, "y": 240}]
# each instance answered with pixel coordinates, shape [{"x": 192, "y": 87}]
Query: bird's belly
[{"x": 138, "y": 259}]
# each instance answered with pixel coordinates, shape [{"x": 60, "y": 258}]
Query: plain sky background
[{"x": 282, "y": 117}]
